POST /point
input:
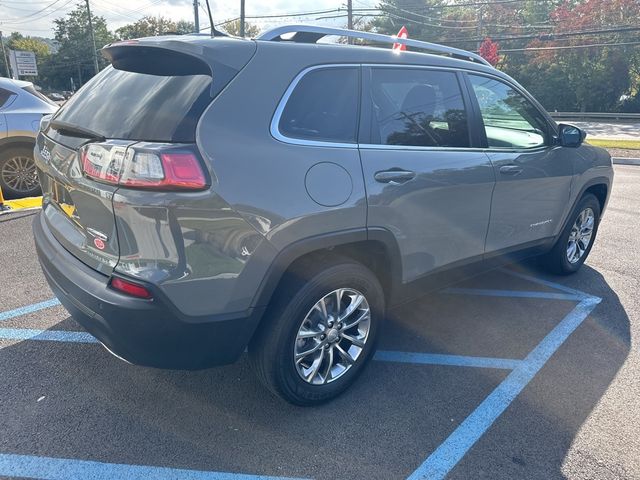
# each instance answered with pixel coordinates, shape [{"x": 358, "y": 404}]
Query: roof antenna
[{"x": 213, "y": 29}]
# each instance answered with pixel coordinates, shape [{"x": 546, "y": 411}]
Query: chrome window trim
[{"x": 275, "y": 120}]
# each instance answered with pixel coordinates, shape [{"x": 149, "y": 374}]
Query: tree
[
  {"x": 151, "y": 26},
  {"x": 16, "y": 41},
  {"x": 489, "y": 51},
  {"x": 75, "y": 54},
  {"x": 250, "y": 30}
]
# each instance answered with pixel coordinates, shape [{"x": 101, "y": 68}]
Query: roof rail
[{"x": 313, "y": 33}]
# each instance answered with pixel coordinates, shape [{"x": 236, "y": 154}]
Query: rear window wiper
[{"x": 75, "y": 131}]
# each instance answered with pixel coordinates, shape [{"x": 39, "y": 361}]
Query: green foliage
[
  {"x": 250, "y": 30},
  {"x": 151, "y": 26}
]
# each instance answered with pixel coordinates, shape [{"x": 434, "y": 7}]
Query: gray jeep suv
[{"x": 202, "y": 196}]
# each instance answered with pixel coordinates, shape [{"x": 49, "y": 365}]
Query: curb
[{"x": 626, "y": 161}]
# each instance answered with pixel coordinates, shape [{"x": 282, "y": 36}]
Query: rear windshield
[{"x": 136, "y": 106}]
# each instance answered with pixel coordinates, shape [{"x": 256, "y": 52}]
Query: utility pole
[
  {"x": 93, "y": 39},
  {"x": 4, "y": 54},
  {"x": 196, "y": 16},
  {"x": 479, "y": 27},
  {"x": 350, "y": 18},
  {"x": 242, "y": 18}
]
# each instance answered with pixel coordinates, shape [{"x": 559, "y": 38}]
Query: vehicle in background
[
  {"x": 57, "y": 97},
  {"x": 21, "y": 109}
]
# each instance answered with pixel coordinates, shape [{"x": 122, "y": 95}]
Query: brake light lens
[
  {"x": 146, "y": 167},
  {"x": 130, "y": 288}
]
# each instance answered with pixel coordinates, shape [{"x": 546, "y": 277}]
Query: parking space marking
[
  {"x": 512, "y": 294},
  {"x": 48, "y": 335},
  {"x": 546, "y": 283},
  {"x": 442, "y": 359},
  {"x": 28, "y": 309},
  {"x": 47, "y": 468},
  {"x": 455, "y": 447},
  {"x": 436, "y": 466}
]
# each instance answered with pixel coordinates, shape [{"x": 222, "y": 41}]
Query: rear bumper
[{"x": 144, "y": 332}]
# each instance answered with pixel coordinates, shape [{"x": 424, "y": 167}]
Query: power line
[{"x": 568, "y": 47}]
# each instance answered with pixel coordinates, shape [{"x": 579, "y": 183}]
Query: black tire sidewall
[
  {"x": 287, "y": 380},
  {"x": 5, "y": 156}
]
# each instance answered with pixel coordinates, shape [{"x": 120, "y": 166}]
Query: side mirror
[{"x": 570, "y": 136}]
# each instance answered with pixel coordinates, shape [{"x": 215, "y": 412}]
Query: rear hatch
[{"x": 132, "y": 127}]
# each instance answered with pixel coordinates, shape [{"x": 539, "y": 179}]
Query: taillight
[
  {"x": 130, "y": 288},
  {"x": 146, "y": 167}
]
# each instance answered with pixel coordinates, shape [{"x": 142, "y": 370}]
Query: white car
[{"x": 21, "y": 108}]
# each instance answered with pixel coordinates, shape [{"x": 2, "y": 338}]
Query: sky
[{"x": 35, "y": 17}]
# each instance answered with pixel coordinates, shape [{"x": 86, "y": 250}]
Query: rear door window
[
  {"x": 119, "y": 104},
  {"x": 5, "y": 95},
  {"x": 323, "y": 106},
  {"x": 417, "y": 107}
]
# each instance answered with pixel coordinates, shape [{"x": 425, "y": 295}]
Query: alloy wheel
[
  {"x": 332, "y": 336},
  {"x": 19, "y": 173},
  {"x": 580, "y": 235}
]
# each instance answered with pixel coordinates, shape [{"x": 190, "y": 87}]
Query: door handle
[
  {"x": 394, "y": 177},
  {"x": 511, "y": 169}
]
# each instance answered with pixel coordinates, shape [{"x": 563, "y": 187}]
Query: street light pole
[
  {"x": 196, "y": 16},
  {"x": 350, "y": 18},
  {"x": 93, "y": 39},
  {"x": 242, "y": 18},
  {"x": 4, "y": 54}
]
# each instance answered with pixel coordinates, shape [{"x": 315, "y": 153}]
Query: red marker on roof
[{"x": 403, "y": 33}]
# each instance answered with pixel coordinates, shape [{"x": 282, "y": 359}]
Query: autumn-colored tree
[{"x": 489, "y": 51}]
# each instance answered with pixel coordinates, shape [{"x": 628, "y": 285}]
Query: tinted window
[
  {"x": 510, "y": 120},
  {"x": 416, "y": 107},
  {"x": 323, "y": 106},
  {"x": 138, "y": 106},
  {"x": 5, "y": 95}
]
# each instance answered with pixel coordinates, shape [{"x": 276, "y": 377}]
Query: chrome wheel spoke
[
  {"x": 353, "y": 306},
  {"x": 355, "y": 341},
  {"x": 364, "y": 315},
  {"x": 302, "y": 355},
  {"x": 332, "y": 336},
  {"x": 344, "y": 355}
]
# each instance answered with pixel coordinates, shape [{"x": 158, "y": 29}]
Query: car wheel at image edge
[
  {"x": 18, "y": 174},
  {"x": 574, "y": 244},
  {"x": 319, "y": 332}
]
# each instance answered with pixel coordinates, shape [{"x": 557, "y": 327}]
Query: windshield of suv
[{"x": 125, "y": 105}]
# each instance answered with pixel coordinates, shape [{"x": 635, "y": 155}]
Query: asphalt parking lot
[{"x": 513, "y": 374}]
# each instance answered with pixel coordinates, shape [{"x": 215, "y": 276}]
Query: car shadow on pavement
[{"x": 99, "y": 408}]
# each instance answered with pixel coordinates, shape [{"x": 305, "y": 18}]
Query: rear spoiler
[{"x": 220, "y": 58}]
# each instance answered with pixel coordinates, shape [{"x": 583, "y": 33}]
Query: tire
[
  {"x": 273, "y": 350},
  {"x": 18, "y": 174},
  {"x": 558, "y": 260}
]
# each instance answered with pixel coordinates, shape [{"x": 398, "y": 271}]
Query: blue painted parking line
[
  {"x": 28, "y": 309},
  {"x": 47, "y": 335},
  {"x": 449, "y": 360},
  {"x": 512, "y": 294},
  {"x": 436, "y": 466},
  {"x": 546, "y": 283},
  {"x": 451, "y": 451},
  {"x": 46, "y": 468}
]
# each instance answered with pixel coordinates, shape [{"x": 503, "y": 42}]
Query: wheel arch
[
  {"x": 21, "y": 141},
  {"x": 376, "y": 249}
]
